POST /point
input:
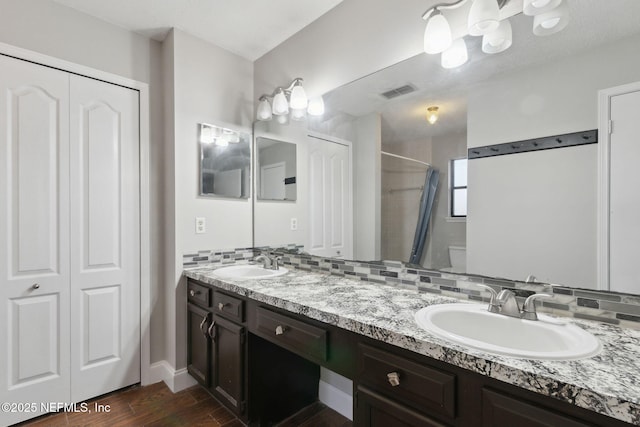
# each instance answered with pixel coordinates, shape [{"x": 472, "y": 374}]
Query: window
[{"x": 458, "y": 185}]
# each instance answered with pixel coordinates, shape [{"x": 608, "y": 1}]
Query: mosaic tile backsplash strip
[{"x": 608, "y": 307}]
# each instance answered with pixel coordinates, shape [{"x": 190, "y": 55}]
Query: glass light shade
[
  {"x": 551, "y": 22},
  {"x": 298, "y": 114},
  {"x": 264, "y": 110},
  {"x": 280, "y": 104},
  {"x": 206, "y": 134},
  {"x": 536, "y": 7},
  {"x": 483, "y": 17},
  {"x": 316, "y": 106},
  {"x": 283, "y": 119},
  {"x": 456, "y": 55},
  {"x": 498, "y": 40},
  {"x": 432, "y": 114},
  {"x": 298, "y": 98},
  {"x": 222, "y": 142},
  {"x": 437, "y": 34},
  {"x": 231, "y": 136}
]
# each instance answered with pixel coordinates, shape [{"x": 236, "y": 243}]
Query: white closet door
[
  {"x": 624, "y": 227},
  {"x": 34, "y": 230},
  {"x": 330, "y": 210},
  {"x": 105, "y": 236}
]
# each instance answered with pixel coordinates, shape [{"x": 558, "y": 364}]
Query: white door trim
[
  {"x": 145, "y": 249},
  {"x": 604, "y": 147}
]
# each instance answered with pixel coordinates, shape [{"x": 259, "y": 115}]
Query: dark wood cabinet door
[
  {"x": 198, "y": 344},
  {"x": 376, "y": 410},
  {"x": 227, "y": 362}
]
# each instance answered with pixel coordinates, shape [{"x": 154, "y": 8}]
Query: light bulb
[
  {"x": 432, "y": 114},
  {"x": 316, "y": 106},
  {"x": 456, "y": 55},
  {"x": 498, "y": 40},
  {"x": 298, "y": 97},
  {"x": 283, "y": 119},
  {"x": 280, "y": 104},
  {"x": 264, "y": 110},
  {"x": 551, "y": 22},
  {"x": 536, "y": 7},
  {"x": 483, "y": 17},
  {"x": 437, "y": 34}
]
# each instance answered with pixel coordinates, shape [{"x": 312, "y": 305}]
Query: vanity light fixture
[
  {"x": 432, "y": 114},
  {"x": 549, "y": 17},
  {"x": 288, "y": 101}
]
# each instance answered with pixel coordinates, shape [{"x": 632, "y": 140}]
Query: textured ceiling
[{"x": 249, "y": 28}]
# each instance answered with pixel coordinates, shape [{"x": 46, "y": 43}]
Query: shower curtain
[{"x": 426, "y": 204}]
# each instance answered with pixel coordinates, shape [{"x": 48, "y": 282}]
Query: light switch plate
[
  {"x": 294, "y": 224},
  {"x": 201, "y": 225}
]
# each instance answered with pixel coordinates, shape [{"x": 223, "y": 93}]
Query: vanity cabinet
[
  {"x": 216, "y": 344},
  {"x": 264, "y": 362}
]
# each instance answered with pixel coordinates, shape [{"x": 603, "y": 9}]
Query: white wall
[
  {"x": 367, "y": 184},
  {"x": 214, "y": 86},
  {"x": 52, "y": 29},
  {"x": 535, "y": 213}
]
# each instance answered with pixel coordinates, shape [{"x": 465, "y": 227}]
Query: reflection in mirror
[
  {"x": 225, "y": 162},
  {"x": 276, "y": 169},
  {"x": 529, "y": 213}
]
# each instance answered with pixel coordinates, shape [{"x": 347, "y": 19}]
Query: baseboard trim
[
  {"x": 336, "y": 399},
  {"x": 176, "y": 380}
]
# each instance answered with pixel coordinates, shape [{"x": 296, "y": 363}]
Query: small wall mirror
[
  {"x": 225, "y": 162},
  {"x": 276, "y": 170}
]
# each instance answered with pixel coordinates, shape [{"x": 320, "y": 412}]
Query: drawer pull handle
[
  {"x": 212, "y": 331},
  {"x": 394, "y": 379},
  {"x": 221, "y": 306},
  {"x": 193, "y": 293},
  {"x": 280, "y": 330},
  {"x": 203, "y": 327},
  {"x": 35, "y": 286}
]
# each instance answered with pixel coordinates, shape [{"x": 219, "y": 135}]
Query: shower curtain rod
[{"x": 405, "y": 158}]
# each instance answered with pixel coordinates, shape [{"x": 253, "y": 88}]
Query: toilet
[{"x": 458, "y": 258}]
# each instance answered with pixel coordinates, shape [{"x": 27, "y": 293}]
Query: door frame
[
  {"x": 145, "y": 247},
  {"x": 604, "y": 151}
]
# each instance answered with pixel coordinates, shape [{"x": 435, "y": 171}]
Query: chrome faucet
[
  {"x": 505, "y": 303},
  {"x": 269, "y": 261}
]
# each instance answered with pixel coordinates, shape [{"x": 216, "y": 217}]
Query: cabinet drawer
[
  {"x": 198, "y": 294},
  {"x": 423, "y": 387},
  {"x": 500, "y": 410},
  {"x": 303, "y": 338},
  {"x": 228, "y": 306},
  {"x": 373, "y": 409}
]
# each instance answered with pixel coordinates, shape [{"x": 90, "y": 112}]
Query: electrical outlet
[
  {"x": 294, "y": 224},
  {"x": 201, "y": 225}
]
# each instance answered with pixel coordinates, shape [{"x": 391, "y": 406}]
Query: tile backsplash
[{"x": 609, "y": 307}]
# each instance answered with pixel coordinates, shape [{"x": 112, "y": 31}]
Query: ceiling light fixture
[
  {"x": 549, "y": 17},
  {"x": 432, "y": 114},
  {"x": 291, "y": 100}
]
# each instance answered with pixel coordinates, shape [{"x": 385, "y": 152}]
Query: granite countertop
[{"x": 608, "y": 383}]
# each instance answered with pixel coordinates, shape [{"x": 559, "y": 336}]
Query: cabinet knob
[
  {"x": 221, "y": 306},
  {"x": 35, "y": 286},
  {"x": 279, "y": 330},
  {"x": 192, "y": 293},
  {"x": 394, "y": 379}
]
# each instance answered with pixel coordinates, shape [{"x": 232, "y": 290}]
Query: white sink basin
[
  {"x": 473, "y": 326},
  {"x": 248, "y": 271}
]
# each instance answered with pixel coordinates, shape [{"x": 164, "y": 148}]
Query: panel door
[
  {"x": 34, "y": 230},
  {"x": 198, "y": 344},
  {"x": 330, "y": 209},
  {"x": 105, "y": 237},
  {"x": 227, "y": 362},
  {"x": 624, "y": 227}
]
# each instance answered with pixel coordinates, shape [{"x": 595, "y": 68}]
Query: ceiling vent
[{"x": 399, "y": 91}]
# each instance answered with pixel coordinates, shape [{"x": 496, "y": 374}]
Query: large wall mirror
[
  {"x": 531, "y": 214},
  {"x": 276, "y": 169},
  {"x": 225, "y": 162}
]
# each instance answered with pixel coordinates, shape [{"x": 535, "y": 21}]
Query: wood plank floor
[{"x": 155, "y": 405}]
